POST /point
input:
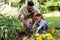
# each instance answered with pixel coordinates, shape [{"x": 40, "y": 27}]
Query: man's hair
[
  {"x": 30, "y": 3},
  {"x": 38, "y": 15}
]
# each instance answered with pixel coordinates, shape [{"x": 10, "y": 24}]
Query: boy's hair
[
  {"x": 38, "y": 15},
  {"x": 30, "y": 3}
]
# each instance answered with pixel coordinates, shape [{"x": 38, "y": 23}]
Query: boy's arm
[
  {"x": 40, "y": 27},
  {"x": 34, "y": 25}
]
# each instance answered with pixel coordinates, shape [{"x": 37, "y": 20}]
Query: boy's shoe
[{"x": 44, "y": 32}]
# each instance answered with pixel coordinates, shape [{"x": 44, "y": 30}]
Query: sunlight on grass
[{"x": 54, "y": 14}]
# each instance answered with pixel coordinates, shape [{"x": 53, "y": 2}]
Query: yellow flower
[
  {"x": 48, "y": 35},
  {"x": 39, "y": 37}
]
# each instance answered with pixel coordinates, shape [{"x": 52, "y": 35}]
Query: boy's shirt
[{"x": 41, "y": 23}]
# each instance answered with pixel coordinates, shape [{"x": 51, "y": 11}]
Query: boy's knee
[{"x": 45, "y": 27}]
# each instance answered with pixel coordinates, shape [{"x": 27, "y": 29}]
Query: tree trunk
[{"x": 39, "y": 1}]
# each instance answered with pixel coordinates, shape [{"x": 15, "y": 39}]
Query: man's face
[
  {"x": 38, "y": 19},
  {"x": 30, "y": 8}
]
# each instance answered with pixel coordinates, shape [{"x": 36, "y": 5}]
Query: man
[{"x": 28, "y": 11}]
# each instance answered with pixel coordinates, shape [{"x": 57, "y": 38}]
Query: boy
[{"x": 41, "y": 25}]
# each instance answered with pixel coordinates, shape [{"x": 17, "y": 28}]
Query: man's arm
[
  {"x": 20, "y": 13},
  {"x": 19, "y": 16}
]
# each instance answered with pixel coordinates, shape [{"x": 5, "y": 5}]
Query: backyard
[{"x": 11, "y": 27}]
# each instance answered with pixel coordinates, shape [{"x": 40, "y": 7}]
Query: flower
[
  {"x": 45, "y": 36},
  {"x": 52, "y": 30}
]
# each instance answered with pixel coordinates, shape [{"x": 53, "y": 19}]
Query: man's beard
[{"x": 30, "y": 11}]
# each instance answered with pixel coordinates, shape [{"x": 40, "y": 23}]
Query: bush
[
  {"x": 43, "y": 10},
  {"x": 49, "y": 6},
  {"x": 53, "y": 8},
  {"x": 8, "y": 27}
]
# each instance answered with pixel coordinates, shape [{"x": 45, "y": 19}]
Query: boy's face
[{"x": 38, "y": 19}]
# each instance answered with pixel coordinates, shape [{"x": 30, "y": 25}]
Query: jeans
[{"x": 46, "y": 27}]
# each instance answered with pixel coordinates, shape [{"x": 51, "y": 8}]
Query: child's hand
[
  {"x": 33, "y": 29},
  {"x": 37, "y": 34}
]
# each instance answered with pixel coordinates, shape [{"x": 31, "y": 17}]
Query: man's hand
[
  {"x": 32, "y": 29},
  {"x": 19, "y": 16}
]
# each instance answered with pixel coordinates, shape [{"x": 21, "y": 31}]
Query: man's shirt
[{"x": 24, "y": 12}]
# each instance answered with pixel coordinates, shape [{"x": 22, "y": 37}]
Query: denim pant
[{"x": 46, "y": 27}]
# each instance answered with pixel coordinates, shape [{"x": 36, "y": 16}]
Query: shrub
[{"x": 8, "y": 27}]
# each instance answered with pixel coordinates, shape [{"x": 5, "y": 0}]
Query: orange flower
[{"x": 52, "y": 30}]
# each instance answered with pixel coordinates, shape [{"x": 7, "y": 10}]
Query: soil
[{"x": 25, "y": 35}]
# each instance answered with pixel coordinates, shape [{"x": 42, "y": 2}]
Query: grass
[{"x": 53, "y": 21}]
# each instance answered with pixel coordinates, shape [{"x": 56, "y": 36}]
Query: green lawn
[{"x": 53, "y": 22}]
